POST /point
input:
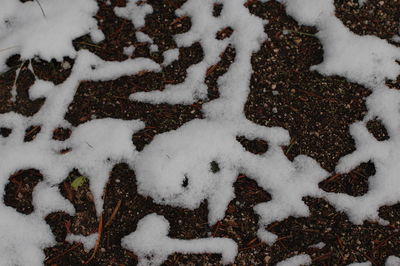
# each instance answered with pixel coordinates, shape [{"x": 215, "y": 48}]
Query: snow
[
  {"x": 134, "y": 11},
  {"x": 176, "y": 168},
  {"x": 297, "y": 260},
  {"x": 184, "y": 155},
  {"x": 129, "y": 50},
  {"x": 96, "y": 146},
  {"x": 170, "y": 56},
  {"x": 143, "y": 37},
  {"x": 40, "y": 89},
  {"x": 392, "y": 261},
  {"x": 25, "y": 30},
  {"x": 319, "y": 245},
  {"x": 150, "y": 242},
  {"x": 88, "y": 242},
  {"x": 369, "y": 61},
  {"x": 360, "y": 264}
]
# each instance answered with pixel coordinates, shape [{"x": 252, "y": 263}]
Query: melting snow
[
  {"x": 170, "y": 56},
  {"x": 151, "y": 243},
  {"x": 135, "y": 11},
  {"x": 392, "y": 261},
  {"x": 88, "y": 241},
  {"x": 297, "y": 260},
  {"x": 25, "y": 30},
  {"x": 176, "y": 168}
]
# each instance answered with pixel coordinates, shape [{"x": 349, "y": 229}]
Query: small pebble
[{"x": 66, "y": 65}]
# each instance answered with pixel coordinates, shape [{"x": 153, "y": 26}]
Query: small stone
[
  {"x": 66, "y": 65},
  {"x": 267, "y": 259},
  {"x": 274, "y": 110}
]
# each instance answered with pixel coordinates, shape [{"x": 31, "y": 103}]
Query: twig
[
  {"x": 51, "y": 260},
  {"x": 177, "y": 20},
  {"x": 373, "y": 261},
  {"x": 214, "y": 233},
  {"x": 211, "y": 69},
  {"x": 100, "y": 231},
  {"x": 88, "y": 44},
  {"x": 37, "y": 1},
  {"x": 290, "y": 145},
  {"x": 332, "y": 178},
  {"x": 113, "y": 213},
  {"x": 303, "y": 33},
  {"x": 31, "y": 131},
  {"x": 251, "y": 247},
  {"x": 322, "y": 257}
]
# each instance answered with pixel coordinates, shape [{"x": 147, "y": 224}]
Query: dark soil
[{"x": 316, "y": 110}]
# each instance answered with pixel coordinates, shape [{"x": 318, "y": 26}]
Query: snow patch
[
  {"x": 150, "y": 242},
  {"x": 367, "y": 60},
  {"x": 175, "y": 168},
  {"x": 297, "y": 260},
  {"x": 128, "y": 51},
  {"x": 40, "y": 89},
  {"x": 93, "y": 148},
  {"x": 88, "y": 242},
  {"x": 25, "y": 30},
  {"x": 360, "y": 264},
  {"x": 170, "y": 56},
  {"x": 392, "y": 261},
  {"x": 135, "y": 11},
  {"x": 319, "y": 245}
]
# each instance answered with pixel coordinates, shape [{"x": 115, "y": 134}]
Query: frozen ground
[{"x": 194, "y": 160}]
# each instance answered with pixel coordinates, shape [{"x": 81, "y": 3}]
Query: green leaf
[{"x": 79, "y": 181}]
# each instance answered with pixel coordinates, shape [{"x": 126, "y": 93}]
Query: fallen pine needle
[
  {"x": 100, "y": 231},
  {"x": 113, "y": 213},
  {"x": 51, "y": 260}
]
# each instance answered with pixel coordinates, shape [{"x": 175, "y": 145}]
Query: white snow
[
  {"x": 297, "y": 260},
  {"x": 319, "y": 245},
  {"x": 40, "y": 89},
  {"x": 26, "y": 31},
  {"x": 170, "y": 56},
  {"x": 183, "y": 156},
  {"x": 150, "y": 242},
  {"x": 88, "y": 242},
  {"x": 392, "y": 261},
  {"x": 143, "y": 37},
  {"x": 134, "y": 11},
  {"x": 95, "y": 147},
  {"x": 129, "y": 50},
  {"x": 360, "y": 264},
  {"x": 369, "y": 61},
  {"x": 200, "y": 160}
]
